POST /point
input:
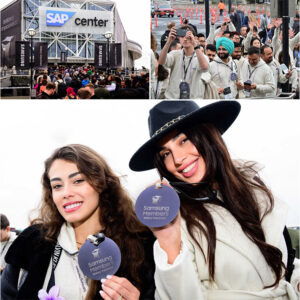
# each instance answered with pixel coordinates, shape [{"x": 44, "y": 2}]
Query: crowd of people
[
  {"x": 64, "y": 82},
  {"x": 241, "y": 58}
]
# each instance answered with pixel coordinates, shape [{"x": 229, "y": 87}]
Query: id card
[{"x": 184, "y": 89}]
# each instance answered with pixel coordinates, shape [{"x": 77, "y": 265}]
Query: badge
[
  {"x": 99, "y": 256},
  {"x": 156, "y": 207},
  {"x": 233, "y": 76},
  {"x": 184, "y": 88}
]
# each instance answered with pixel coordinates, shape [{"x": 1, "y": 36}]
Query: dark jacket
[
  {"x": 236, "y": 21},
  {"x": 32, "y": 253},
  {"x": 43, "y": 95},
  {"x": 164, "y": 38}
]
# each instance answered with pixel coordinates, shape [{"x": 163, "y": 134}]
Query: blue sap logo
[{"x": 58, "y": 18}]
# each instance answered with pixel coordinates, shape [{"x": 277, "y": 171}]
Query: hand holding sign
[
  {"x": 157, "y": 206},
  {"x": 99, "y": 256}
]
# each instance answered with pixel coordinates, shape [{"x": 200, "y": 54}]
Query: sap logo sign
[{"x": 58, "y": 18}]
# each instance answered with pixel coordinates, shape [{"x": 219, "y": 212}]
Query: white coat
[
  {"x": 220, "y": 74},
  {"x": 194, "y": 75},
  {"x": 261, "y": 75},
  {"x": 241, "y": 271}
]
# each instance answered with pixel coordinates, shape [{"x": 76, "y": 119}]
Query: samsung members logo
[{"x": 58, "y": 18}]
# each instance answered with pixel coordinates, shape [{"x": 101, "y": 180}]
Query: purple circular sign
[
  {"x": 96, "y": 262},
  {"x": 156, "y": 207}
]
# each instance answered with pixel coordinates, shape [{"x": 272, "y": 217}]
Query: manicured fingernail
[
  {"x": 103, "y": 280},
  {"x": 101, "y": 293},
  {"x": 109, "y": 276}
]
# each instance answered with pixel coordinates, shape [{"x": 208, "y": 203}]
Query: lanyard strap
[
  {"x": 250, "y": 73},
  {"x": 183, "y": 63},
  {"x": 55, "y": 259},
  {"x": 83, "y": 284},
  {"x": 231, "y": 68}
]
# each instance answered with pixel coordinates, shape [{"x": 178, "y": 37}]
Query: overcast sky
[
  {"x": 135, "y": 16},
  {"x": 265, "y": 131}
]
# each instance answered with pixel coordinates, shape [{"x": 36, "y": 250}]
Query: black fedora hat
[{"x": 169, "y": 115}]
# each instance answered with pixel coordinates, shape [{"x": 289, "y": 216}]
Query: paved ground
[
  {"x": 163, "y": 21},
  {"x": 162, "y": 25}
]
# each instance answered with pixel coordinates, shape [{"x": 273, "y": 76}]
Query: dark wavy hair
[
  {"x": 116, "y": 212},
  {"x": 236, "y": 188}
]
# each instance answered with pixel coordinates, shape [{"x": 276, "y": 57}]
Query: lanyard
[
  {"x": 83, "y": 284},
  {"x": 183, "y": 64},
  {"x": 231, "y": 68},
  {"x": 55, "y": 259},
  {"x": 250, "y": 73}
]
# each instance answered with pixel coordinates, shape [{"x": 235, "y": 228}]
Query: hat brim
[{"x": 220, "y": 114}]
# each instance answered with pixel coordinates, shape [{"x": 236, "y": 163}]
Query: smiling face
[
  {"x": 76, "y": 200},
  {"x": 222, "y": 52},
  {"x": 181, "y": 158}
]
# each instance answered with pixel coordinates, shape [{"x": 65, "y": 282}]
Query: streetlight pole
[
  {"x": 107, "y": 35},
  {"x": 31, "y": 33}
]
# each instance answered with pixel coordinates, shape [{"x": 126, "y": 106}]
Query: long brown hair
[
  {"x": 116, "y": 212},
  {"x": 236, "y": 188}
]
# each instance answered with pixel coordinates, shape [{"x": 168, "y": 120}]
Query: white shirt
[
  {"x": 4, "y": 246},
  {"x": 65, "y": 273}
]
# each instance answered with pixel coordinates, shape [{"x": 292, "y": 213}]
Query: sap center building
[{"x": 68, "y": 26}]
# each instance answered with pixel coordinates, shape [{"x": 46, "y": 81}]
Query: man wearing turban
[{"x": 224, "y": 70}]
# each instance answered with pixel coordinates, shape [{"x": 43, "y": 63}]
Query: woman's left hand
[{"x": 118, "y": 288}]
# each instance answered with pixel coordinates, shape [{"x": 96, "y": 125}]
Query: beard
[
  {"x": 223, "y": 55},
  {"x": 238, "y": 56}
]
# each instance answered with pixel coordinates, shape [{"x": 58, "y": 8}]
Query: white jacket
[
  {"x": 194, "y": 75},
  {"x": 241, "y": 271},
  {"x": 221, "y": 72},
  {"x": 261, "y": 75},
  {"x": 278, "y": 75}
]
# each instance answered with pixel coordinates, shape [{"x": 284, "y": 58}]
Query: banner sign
[
  {"x": 55, "y": 19},
  {"x": 100, "y": 55},
  {"x": 22, "y": 55},
  {"x": 115, "y": 56},
  {"x": 41, "y": 55},
  {"x": 63, "y": 57}
]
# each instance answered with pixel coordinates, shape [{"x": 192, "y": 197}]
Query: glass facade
[{"x": 76, "y": 45}]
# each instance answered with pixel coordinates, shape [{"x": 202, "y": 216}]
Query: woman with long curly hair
[
  {"x": 81, "y": 196},
  {"x": 229, "y": 239}
]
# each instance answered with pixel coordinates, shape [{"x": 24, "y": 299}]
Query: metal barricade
[
  {"x": 21, "y": 92},
  {"x": 286, "y": 95}
]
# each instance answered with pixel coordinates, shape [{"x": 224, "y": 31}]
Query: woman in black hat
[{"x": 227, "y": 242}]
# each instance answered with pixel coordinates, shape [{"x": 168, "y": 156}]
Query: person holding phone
[
  {"x": 279, "y": 76},
  {"x": 229, "y": 239},
  {"x": 81, "y": 196},
  {"x": 188, "y": 67},
  {"x": 255, "y": 76},
  {"x": 224, "y": 70}
]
